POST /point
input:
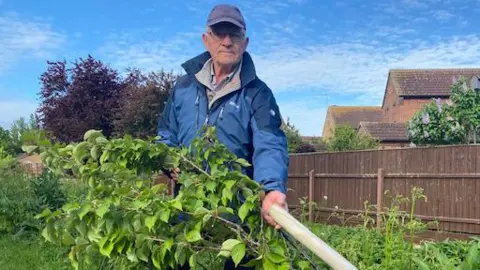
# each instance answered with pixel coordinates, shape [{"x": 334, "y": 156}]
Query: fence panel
[{"x": 449, "y": 176}]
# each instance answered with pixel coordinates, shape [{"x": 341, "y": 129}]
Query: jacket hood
[{"x": 247, "y": 74}]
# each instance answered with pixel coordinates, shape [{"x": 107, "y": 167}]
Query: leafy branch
[{"x": 126, "y": 214}]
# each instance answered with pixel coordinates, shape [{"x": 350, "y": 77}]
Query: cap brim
[{"x": 229, "y": 20}]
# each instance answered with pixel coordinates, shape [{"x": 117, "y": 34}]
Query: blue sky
[{"x": 311, "y": 53}]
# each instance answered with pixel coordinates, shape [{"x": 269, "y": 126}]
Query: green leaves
[
  {"x": 106, "y": 246},
  {"x": 227, "y": 247},
  {"x": 345, "y": 138},
  {"x": 150, "y": 222},
  {"x": 243, "y": 162},
  {"x": 177, "y": 204},
  {"x": 453, "y": 122},
  {"x": 238, "y": 252},
  {"x": 84, "y": 210},
  {"x": 92, "y": 134},
  {"x": 194, "y": 234},
  {"x": 244, "y": 210},
  {"x": 29, "y": 148},
  {"x": 80, "y": 151},
  {"x": 102, "y": 209},
  {"x": 227, "y": 192},
  {"x": 123, "y": 213}
]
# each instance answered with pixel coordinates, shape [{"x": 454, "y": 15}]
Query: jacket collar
[{"x": 247, "y": 74}]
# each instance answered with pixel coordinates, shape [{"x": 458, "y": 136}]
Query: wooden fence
[{"x": 342, "y": 182}]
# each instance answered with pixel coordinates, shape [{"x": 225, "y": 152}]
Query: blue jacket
[{"x": 247, "y": 121}]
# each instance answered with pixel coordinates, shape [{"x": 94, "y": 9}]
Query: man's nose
[{"x": 227, "y": 41}]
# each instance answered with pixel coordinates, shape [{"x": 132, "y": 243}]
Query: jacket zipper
[
  {"x": 209, "y": 110},
  {"x": 221, "y": 113},
  {"x": 197, "y": 101}
]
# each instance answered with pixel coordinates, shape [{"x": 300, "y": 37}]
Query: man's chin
[{"x": 228, "y": 61}]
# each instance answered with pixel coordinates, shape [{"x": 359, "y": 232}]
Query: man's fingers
[
  {"x": 174, "y": 174},
  {"x": 271, "y": 221}
]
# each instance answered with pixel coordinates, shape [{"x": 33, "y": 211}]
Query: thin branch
[
  {"x": 196, "y": 167},
  {"x": 239, "y": 230},
  {"x": 156, "y": 239}
]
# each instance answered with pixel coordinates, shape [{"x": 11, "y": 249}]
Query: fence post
[
  {"x": 380, "y": 178},
  {"x": 311, "y": 178}
]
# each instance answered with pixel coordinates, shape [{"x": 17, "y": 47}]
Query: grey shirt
[{"x": 215, "y": 90}]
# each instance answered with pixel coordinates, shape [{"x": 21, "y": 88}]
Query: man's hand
[
  {"x": 273, "y": 197},
  {"x": 174, "y": 174}
]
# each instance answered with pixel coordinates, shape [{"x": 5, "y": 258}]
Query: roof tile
[
  {"x": 385, "y": 131},
  {"x": 427, "y": 82},
  {"x": 353, "y": 115}
]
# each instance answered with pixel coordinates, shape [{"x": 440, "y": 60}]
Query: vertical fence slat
[
  {"x": 380, "y": 179},
  {"x": 311, "y": 194}
]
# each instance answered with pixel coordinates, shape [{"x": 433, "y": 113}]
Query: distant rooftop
[
  {"x": 386, "y": 132},
  {"x": 428, "y": 82},
  {"x": 352, "y": 115}
]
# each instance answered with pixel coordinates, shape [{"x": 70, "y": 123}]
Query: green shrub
[
  {"x": 18, "y": 202},
  {"x": 47, "y": 188},
  {"x": 346, "y": 138},
  {"x": 22, "y": 196}
]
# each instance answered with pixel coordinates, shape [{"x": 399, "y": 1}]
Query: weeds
[{"x": 391, "y": 244}]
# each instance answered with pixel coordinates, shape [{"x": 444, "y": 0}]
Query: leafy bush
[
  {"x": 293, "y": 136},
  {"x": 48, "y": 191},
  {"x": 7, "y": 161},
  {"x": 434, "y": 124},
  {"x": 454, "y": 122},
  {"x": 346, "y": 138},
  {"x": 22, "y": 196},
  {"x": 6, "y": 143},
  {"x": 18, "y": 203}
]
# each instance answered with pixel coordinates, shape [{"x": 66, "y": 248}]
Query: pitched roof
[
  {"x": 427, "y": 82},
  {"x": 352, "y": 115},
  {"x": 386, "y": 131}
]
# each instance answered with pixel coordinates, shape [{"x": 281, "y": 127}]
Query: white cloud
[
  {"x": 350, "y": 64},
  {"x": 414, "y": 3},
  {"x": 358, "y": 69},
  {"x": 11, "y": 110},
  {"x": 126, "y": 51},
  {"x": 21, "y": 39},
  {"x": 389, "y": 31},
  {"x": 442, "y": 15}
]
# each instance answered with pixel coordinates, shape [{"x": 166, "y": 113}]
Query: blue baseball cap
[{"x": 226, "y": 13}]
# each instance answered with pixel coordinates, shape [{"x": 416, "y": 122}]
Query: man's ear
[
  {"x": 245, "y": 44},
  {"x": 205, "y": 41}
]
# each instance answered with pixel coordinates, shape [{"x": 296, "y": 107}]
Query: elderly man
[{"x": 221, "y": 88}]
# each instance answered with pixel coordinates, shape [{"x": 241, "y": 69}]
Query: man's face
[{"x": 226, "y": 43}]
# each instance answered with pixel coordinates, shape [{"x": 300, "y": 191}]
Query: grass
[{"x": 31, "y": 254}]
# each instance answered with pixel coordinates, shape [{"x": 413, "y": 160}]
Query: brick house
[
  {"x": 349, "y": 115},
  {"x": 390, "y": 135},
  {"x": 406, "y": 92}
]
